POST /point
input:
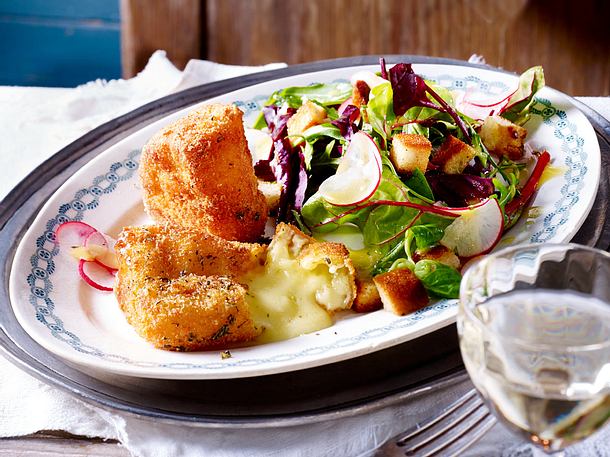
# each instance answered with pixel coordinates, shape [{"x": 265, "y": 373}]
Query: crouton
[
  {"x": 360, "y": 93},
  {"x": 453, "y": 155},
  {"x": 367, "y": 297},
  {"x": 501, "y": 137},
  {"x": 409, "y": 152},
  {"x": 441, "y": 254},
  {"x": 308, "y": 115},
  {"x": 401, "y": 291},
  {"x": 197, "y": 173}
]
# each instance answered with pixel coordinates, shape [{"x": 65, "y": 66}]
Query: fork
[{"x": 457, "y": 427}]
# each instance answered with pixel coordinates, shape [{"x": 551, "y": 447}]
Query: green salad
[{"x": 408, "y": 175}]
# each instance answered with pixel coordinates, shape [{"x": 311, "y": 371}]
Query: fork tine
[
  {"x": 474, "y": 406},
  {"x": 419, "y": 428},
  {"x": 461, "y": 443},
  {"x": 447, "y": 434},
  {"x": 456, "y": 437}
]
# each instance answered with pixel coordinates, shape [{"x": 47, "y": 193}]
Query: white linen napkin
[{"x": 38, "y": 122}]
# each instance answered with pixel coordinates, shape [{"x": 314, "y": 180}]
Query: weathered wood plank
[
  {"x": 148, "y": 25},
  {"x": 568, "y": 38}
]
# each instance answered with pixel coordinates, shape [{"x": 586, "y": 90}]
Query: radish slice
[
  {"x": 480, "y": 109},
  {"x": 73, "y": 233},
  {"x": 96, "y": 239},
  {"x": 96, "y": 275},
  {"x": 358, "y": 174},
  {"x": 101, "y": 248},
  {"x": 370, "y": 78},
  {"x": 476, "y": 231}
]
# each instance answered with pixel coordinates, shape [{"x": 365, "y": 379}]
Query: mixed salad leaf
[{"x": 404, "y": 166}]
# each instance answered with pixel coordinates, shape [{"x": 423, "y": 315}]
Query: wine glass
[{"x": 534, "y": 327}]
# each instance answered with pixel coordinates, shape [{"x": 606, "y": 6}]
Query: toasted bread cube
[
  {"x": 308, "y": 115},
  {"x": 441, "y": 254},
  {"x": 453, "y": 155},
  {"x": 401, "y": 291},
  {"x": 409, "y": 152},
  {"x": 500, "y": 136},
  {"x": 360, "y": 93},
  {"x": 367, "y": 296}
]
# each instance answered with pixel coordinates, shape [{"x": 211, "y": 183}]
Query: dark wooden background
[{"x": 570, "y": 38}]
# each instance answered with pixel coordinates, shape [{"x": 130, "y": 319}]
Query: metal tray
[{"x": 338, "y": 390}]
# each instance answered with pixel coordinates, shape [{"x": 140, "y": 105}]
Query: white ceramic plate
[{"x": 86, "y": 327}]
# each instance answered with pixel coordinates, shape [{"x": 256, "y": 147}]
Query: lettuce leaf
[
  {"x": 439, "y": 279},
  {"x": 517, "y": 109}
]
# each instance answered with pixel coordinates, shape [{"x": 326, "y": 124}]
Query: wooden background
[{"x": 571, "y": 39}]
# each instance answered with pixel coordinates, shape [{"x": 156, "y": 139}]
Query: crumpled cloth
[{"x": 35, "y": 123}]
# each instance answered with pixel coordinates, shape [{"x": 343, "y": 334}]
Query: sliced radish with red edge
[
  {"x": 101, "y": 247},
  {"x": 96, "y": 275},
  {"x": 73, "y": 233},
  {"x": 358, "y": 174},
  {"x": 475, "y": 231}
]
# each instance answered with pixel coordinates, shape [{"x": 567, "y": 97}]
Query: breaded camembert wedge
[
  {"x": 197, "y": 173},
  {"x": 180, "y": 288},
  {"x": 185, "y": 290}
]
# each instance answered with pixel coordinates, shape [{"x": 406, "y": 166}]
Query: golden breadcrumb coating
[
  {"x": 197, "y": 173},
  {"x": 179, "y": 288},
  {"x": 185, "y": 290}
]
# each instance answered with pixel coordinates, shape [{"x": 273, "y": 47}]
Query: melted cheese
[{"x": 288, "y": 297}]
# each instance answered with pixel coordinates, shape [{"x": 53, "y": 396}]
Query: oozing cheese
[{"x": 290, "y": 296}]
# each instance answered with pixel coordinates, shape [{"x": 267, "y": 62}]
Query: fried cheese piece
[
  {"x": 180, "y": 288},
  {"x": 197, "y": 173},
  {"x": 186, "y": 291}
]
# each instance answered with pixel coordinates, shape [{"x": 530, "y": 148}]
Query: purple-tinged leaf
[
  {"x": 263, "y": 170},
  {"x": 277, "y": 123},
  {"x": 409, "y": 89},
  {"x": 460, "y": 189},
  {"x": 384, "y": 71},
  {"x": 477, "y": 168},
  {"x": 283, "y": 175},
  {"x": 301, "y": 182},
  {"x": 346, "y": 123}
]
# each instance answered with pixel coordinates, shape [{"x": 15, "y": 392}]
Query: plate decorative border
[{"x": 41, "y": 285}]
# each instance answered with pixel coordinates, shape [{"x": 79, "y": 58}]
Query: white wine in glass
[{"x": 534, "y": 326}]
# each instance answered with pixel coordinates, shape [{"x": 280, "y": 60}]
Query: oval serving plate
[{"x": 86, "y": 327}]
